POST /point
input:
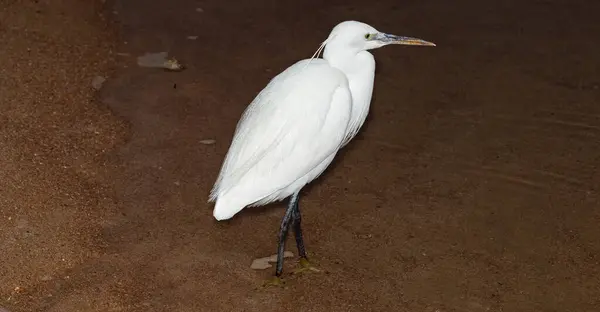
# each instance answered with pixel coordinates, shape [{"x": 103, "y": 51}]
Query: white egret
[{"x": 294, "y": 127}]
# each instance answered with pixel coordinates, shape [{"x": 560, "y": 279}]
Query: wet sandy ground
[{"x": 473, "y": 186}]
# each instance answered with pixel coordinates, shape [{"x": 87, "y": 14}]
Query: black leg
[
  {"x": 283, "y": 231},
  {"x": 297, "y": 224}
]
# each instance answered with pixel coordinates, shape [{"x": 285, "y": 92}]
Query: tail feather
[{"x": 226, "y": 207}]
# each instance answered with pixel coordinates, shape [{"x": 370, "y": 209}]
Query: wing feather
[{"x": 295, "y": 123}]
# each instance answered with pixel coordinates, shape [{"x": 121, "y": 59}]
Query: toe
[
  {"x": 305, "y": 267},
  {"x": 274, "y": 282}
]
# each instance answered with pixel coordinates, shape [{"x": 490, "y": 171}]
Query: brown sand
[
  {"x": 473, "y": 186},
  {"x": 53, "y": 141}
]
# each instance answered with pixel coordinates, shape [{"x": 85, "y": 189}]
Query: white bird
[{"x": 295, "y": 126}]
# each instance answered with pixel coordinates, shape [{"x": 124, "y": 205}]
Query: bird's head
[{"x": 360, "y": 36}]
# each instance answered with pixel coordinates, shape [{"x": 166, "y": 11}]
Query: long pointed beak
[{"x": 393, "y": 39}]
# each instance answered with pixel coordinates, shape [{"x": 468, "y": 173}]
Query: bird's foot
[
  {"x": 275, "y": 281},
  {"x": 305, "y": 267}
]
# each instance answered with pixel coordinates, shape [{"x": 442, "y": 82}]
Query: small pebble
[
  {"x": 46, "y": 278},
  {"x": 97, "y": 82},
  {"x": 208, "y": 142},
  {"x": 159, "y": 60}
]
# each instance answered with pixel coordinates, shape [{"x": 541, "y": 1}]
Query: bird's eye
[{"x": 368, "y": 36}]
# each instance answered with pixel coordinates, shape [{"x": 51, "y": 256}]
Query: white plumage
[
  {"x": 295, "y": 126},
  {"x": 286, "y": 138}
]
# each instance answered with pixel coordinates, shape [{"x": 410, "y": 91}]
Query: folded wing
[{"x": 292, "y": 126}]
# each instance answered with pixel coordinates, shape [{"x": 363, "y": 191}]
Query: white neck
[{"x": 359, "y": 67}]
